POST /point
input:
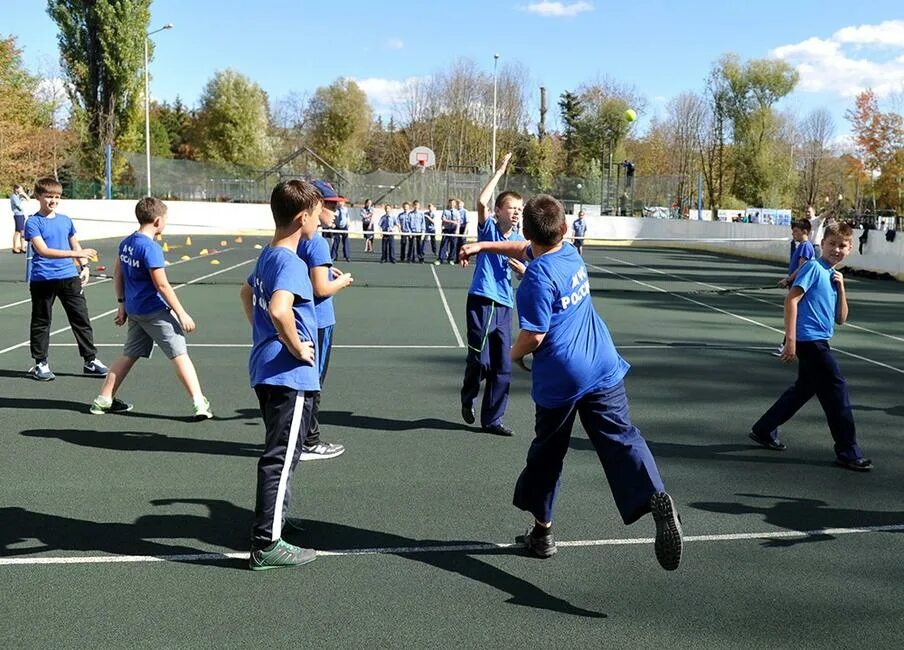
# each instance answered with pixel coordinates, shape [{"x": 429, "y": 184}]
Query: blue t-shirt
[
  {"x": 816, "y": 310},
  {"x": 404, "y": 221},
  {"x": 138, "y": 255},
  {"x": 416, "y": 221},
  {"x": 492, "y": 275},
  {"x": 577, "y": 355},
  {"x": 55, "y": 231},
  {"x": 341, "y": 217},
  {"x": 388, "y": 222},
  {"x": 16, "y": 203},
  {"x": 580, "y": 228},
  {"x": 430, "y": 221},
  {"x": 279, "y": 269},
  {"x": 450, "y": 215},
  {"x": 316, "y": 252},
  {"x": 803, "y": 251}
]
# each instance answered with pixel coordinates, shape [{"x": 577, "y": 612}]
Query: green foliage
[
  {"x": 570, "y": 109},
  {"x": 180, "y": 124},
  {"x": 233, "y": 121},
  {"x": 102, "y": 50},
  {"x": 339, "y": 119}
]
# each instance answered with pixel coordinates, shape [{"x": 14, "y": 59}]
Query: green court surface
[{"x": 132, "y": 530}]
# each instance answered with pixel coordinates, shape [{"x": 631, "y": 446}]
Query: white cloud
[
  {"x": 831, "y": 66},
  {"x": 395, "y": 44},
  {"x": 558, "y": 9},
  {"x": 385, "y": 94}
]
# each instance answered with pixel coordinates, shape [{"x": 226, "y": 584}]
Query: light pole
[
  {"x": 147, "y": 105},
  {"x": 495, "y": 86},
  {"x": 580, "y": 197}
]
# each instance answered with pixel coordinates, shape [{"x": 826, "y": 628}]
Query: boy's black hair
[
  {"x": 508, "y": 194},
  {"x": 543, "y": 218},
  {"x": 840, "y": 229},
  {"x": 148, "y": 209},
  {"x": 802, "y": 224},
  {"x": 291, "y": 197},
  {"x": 47, "y": 185}
]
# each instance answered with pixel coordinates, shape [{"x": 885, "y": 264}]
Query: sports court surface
[{"x": 132, "y": 530}]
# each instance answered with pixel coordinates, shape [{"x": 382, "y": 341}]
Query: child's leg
[
  {"x": 479, "y": 318},
  {"x": 286, "y": 414},
  {"x": 324, "y": 345},
  {"x": 538, "y": 483},
  {"x": 43, "y": 293},
  {"x": 791, "y": 401},
  {"x": 118, "y": 372},
  {"x": 185, "y": 371},
  {"x": 73, "y": 300},
  {"x": 629, "y": 465},
  {"x": 832, "y": 392},
  {"x": 498, "y": 373}
]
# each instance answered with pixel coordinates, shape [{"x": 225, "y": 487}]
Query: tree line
[{"x": 730, "y": 131}]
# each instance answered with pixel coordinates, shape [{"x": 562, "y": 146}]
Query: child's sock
[{"x": 104, "y": 401}]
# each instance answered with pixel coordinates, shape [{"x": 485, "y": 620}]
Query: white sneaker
[
  {"x": 96, "y": 368},
  {"x": 41, "y": 371},
  {"x": 202, "y": 410}
]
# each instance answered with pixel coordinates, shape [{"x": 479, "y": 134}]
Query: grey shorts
[{"x": 162, "y": 328}]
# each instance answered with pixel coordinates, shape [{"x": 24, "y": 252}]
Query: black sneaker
[
  {"x": 669, "y": 542},
  {"x": 499, "y": 430},
  {"x": 540, "y": 545},
  {"x": 468, "y": 414},
  {"x": 768, "y": 443},
  {"x": 858, "y": 465},
  {"x": 95, "y": 368}
]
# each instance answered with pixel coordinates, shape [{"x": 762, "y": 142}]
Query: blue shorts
[{"x": 20, "y": 222}]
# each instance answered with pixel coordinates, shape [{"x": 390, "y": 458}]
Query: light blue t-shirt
[
  {"x": 577, "y": 355},
  {"x": 450, "y": 214},
  {"x": 430, "y": 221},
  {"x": 416, "y": 221},
  {"x": 341, "y": 217},
  {"x": 580, "y": 228},
  {"x": 492, "y": 275},
  {"x": 388, "y": 222},
  {"x": 55, "y": 231},
  {"x": 16, "y": 204},
  {"x": 404, "y": 221},
  {"x": 803, "y": 251},
  {"x": 316, "y": 252},
  {"x": 280, "y": 269},
  {"x": 816, "y": 310},
  {"x": 138, "y": 255}
]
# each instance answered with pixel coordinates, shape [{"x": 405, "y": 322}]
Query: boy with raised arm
[
  {"x": 489, "y": 312},
  {"x": 279, "y": 303},
  {"x": 154, "y": 313},
  {"x": 816, "y": 302}
]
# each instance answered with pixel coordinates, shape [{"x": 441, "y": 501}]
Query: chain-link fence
[{"x": 606, "y": 193}]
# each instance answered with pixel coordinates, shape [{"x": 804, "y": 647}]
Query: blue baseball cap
[{"x": 327, "y": 191}]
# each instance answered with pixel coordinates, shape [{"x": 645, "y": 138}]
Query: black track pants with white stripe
[{"x": 287, "y": 416}]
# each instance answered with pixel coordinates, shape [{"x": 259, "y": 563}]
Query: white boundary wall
[{"x": 101, "y": 219}]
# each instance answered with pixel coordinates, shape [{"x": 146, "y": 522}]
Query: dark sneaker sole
[
  {"x": 771, "y": 445},
  {"x": 669, "y": 542},
  {"x": 468, "y": 414},
  {"x": 864, "y": 466},
  {"x": 36, "y": 378},
  {"x": 541, "y": 552}
]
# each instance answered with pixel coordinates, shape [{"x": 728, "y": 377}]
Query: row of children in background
[{"x": 416, "y": 228}]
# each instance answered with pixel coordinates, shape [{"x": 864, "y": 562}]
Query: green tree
[
  {"x": 339, "y": 124},
  {"x": 233, "y": 121},
  {"x": 570, "y": 110},
  {"x": 102, "y": 50}
]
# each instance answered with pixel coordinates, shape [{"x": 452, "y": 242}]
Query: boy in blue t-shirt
[
  {"x": 17, "y": 204},
  {"x": 416, "y": 226},
  {"x": 279, "y": 303},
  {"x": 57, "y": 268},
  {"x": 327, "y": 281},
  {"x": 817, "y": 300},
  {"x": 448, "y": 246},
  {"x": 404, "y": 221},
  {"x": 154, "y": 313},
  {"x": 388, "y": 226},
  {"x": 577, "y": 372},
  {"x": 801, "y": 253},
  {"x": 489, "y": 312},
  {"x": 579, "y": 228}
]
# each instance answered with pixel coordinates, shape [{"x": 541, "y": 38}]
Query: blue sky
[{"x": 661, "y": 47}]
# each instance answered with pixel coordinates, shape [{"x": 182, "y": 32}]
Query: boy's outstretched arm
[
  {"x": 526, "y": 343},
  {"x": 514, "y": 249},
  {"x": 789, "y": 351},
  {"x": 324, "y": 282},
  {"x": 42, "y": 249},
  {"x": 161, "y": 283},
  {"x": 486, "y": 194}
]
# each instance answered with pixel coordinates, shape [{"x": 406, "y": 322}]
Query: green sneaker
[
  {"x": 202, "y": 410},
  {"x": 115, "y": 406},
  {"x": 279, "y": 554}
]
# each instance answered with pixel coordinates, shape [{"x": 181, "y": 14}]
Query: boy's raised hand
[{"x": 505, "y": 161}]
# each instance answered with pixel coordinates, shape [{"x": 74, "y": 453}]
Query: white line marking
[
  {"x": 453, "y": 548},
  {"x": 723, "y": 311},
  {"x": 113, "y": 311},
  {"x": 27, "y": 300},
  {"x": 347, "y": 347},
  {"x": 442, "y": 295}
]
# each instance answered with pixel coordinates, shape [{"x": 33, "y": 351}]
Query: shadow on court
[
  {"x": 891, "y": 410},
  {"x": 147, "y": 441},
  {"x": 354, "y": 421},
  {"x": 43, "y": 404},
  {"x": 801, "y": 514},
  {"x": 227, "y": 526}
]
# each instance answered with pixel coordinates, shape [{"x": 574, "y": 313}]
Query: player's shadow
[
  {"x": 891, "y": 410},
  {"x": 740, "y": 452},
  {"x": 22, "y": 374},
  {"x": 147, "y": 441},
  {"x": 803, "y": 515},
  {"x": 226, "y": 526},
  {"x": 43, "y": 404},
  {"x": 354, "y": 421}
]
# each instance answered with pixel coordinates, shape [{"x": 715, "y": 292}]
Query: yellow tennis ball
[{"x": 630, "y": 115}]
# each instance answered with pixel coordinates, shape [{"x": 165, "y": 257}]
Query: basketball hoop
[
  {"x": 422, "y": 162},
  {"x": 422, "y": 158}
]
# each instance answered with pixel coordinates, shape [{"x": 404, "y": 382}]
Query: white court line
[
  {"x": 113, "y": 311},
  {"x": 442, "y": 295},
  {"x": 723, "y": 311},
  {"x": 248, "y": 345},
  {"x": 451, "y": 548},
  {"x": 22, "y": 302}
]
